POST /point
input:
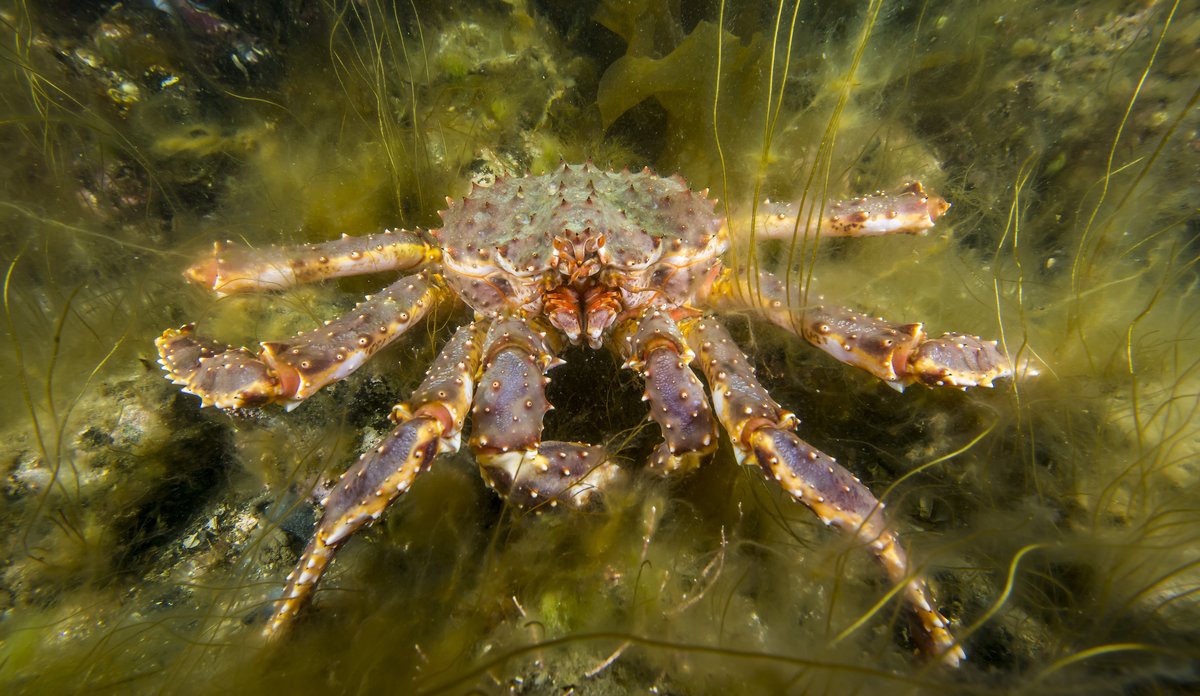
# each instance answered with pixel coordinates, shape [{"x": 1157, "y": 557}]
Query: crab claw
[
  {"x": 220, "y": 375},
  {"x": 957, "y": 360},
  {"x": 554, "y": 472}
]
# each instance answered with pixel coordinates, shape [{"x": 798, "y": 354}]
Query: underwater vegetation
[{"x": 1056, "y": 515}]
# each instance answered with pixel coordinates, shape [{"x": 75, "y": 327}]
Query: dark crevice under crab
[{"x": 624, "y": 260}]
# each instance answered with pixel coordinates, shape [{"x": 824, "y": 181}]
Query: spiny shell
[{"x": 498, "y": 242}]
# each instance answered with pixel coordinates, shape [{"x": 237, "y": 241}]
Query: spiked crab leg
[
  {"x": 429, "y": 422},
  {"x": 507, "y": 425},
  {"x": 293, "y": 370},
  {"x": 233, "y": 269},
  {"x": 907, "y": 210},
  {"x": 653, "y": 345},
  {"x": 761, "y": 431},
  {"x": 898, "y": 354}
]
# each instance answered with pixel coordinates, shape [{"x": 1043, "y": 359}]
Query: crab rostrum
[{"x": 628, "y": 261}]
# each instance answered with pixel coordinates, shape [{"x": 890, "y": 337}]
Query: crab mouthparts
[
  {"x": 577, "y": 254},
  {"x": 578, "y": 313}
]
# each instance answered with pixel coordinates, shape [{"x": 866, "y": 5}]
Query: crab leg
[
  {"x": 291, "y": 371},
  {"x": 653, "y": 345},
  {"x": 429, "y": 422},
  {"x": 761, "y": 430},
  {"x": 233, "y": 269},
  {"x": 898, "y": 354},
  {"x": 907, "y": 210},
  {"x": 507, "y": 425}
]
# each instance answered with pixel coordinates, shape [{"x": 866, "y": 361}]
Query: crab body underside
[{"x": 630, "y": 261}]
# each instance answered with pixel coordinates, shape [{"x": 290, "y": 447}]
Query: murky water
[{"x": 1057, "y": 515}]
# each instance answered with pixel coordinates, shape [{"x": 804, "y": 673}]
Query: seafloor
[{"x": 1057, "y": 515}]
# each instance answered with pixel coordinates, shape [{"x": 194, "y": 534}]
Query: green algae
[{"x": 1056, "y": 515}]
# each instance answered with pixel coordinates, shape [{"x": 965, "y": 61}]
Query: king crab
[{"x": 624, "y": 260}]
